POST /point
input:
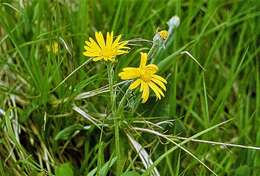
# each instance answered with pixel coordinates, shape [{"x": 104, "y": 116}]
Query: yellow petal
[
  {"x": 143, "y": 60},
  {"x": 116, "y": 42},
  {"x": 135, "y": 84},
  {"x": 160, "y": 83},
  {"x": 124, "y": 47},
  {"x": 121, "y": 52},
  {"x": 90, "y": 54},
  {"x": 100, "y": 39},
  {"x": 109, "y": 39},
  {"x": 126, "y": 76},
  {"x": 129, "y": 73},
  {"x": 122, "y": 44},
  {"x": 152, "y": 68},
  {"x": 145, "y": 93},
  {"x": 112, "y": 59},
  {"x": 97, "y": 59},
  {"x": 131, "y": 69},
  {"x": 93, "y": 43},
  {"x": 159, "y": 78},
  {"x": 90, "y": 49},
  {"x": 88, "y": 43},
  {"x": 155, "y": 88},
  {"x": 142, "y": 86}
]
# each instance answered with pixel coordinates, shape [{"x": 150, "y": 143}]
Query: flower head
[
  {"x": 105, "y": 49},
  {"x": 163, "y": 34},
  {"x": 53, "y": 47},
  {"x": 160, "y": 38},
  {"x": 145, "y": 77}
]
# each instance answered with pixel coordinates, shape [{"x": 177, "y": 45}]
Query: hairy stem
[{"x": 110, "y": 72}]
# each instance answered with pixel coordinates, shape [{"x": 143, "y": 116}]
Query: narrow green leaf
[
  {"x": 68, "y": 132},
  {"x": 131, "y": 173}
]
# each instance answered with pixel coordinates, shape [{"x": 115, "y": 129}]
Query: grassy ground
[{"x": 52, "y": 124}]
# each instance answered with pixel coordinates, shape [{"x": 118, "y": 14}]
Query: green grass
[{"x": 55, "y": 124}]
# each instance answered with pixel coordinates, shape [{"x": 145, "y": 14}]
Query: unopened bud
[{"x": 174, "y": 22}]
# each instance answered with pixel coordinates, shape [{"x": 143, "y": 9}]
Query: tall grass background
[{"x": 55, "y": 124}]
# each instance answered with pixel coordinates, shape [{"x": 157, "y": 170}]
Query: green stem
[
  {"x": 110, "y": 72},
  {"x": 153, "y": 51}
]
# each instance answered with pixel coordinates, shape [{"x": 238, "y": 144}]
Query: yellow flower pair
[{"x": 143, "y": 76}]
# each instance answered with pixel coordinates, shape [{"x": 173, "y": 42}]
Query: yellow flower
[
  {"x": 106, "y": 50},
  {"x": 163, "y": 34},
  {"x": 145, "y": 76},
  {"x": 53, "y": 47}
]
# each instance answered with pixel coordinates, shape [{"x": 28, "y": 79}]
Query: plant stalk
[{"x": 113, "y": 115}]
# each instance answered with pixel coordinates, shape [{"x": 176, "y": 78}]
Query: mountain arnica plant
[{"x": 129, "y": 88}]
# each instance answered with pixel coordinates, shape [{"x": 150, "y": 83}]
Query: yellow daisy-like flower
[
  {"x": 53, "y": 47},
  {"x": 145, "y": 76},
  {"x": 163, "y": 34},
  {"x": 105, "y": 49}
]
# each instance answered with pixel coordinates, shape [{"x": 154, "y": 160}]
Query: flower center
[
  {"x": 163, "y": 34},
  {"x": 107, "y": 52},
  {"x": 145, "y": 75}
]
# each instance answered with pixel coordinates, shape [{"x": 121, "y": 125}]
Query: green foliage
[
  {"x": 64, "y": 170},
  {"x": 57, "y": 108},
  {"x": 131, "y": 173},
  {"x": 68, "y": 132}
]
